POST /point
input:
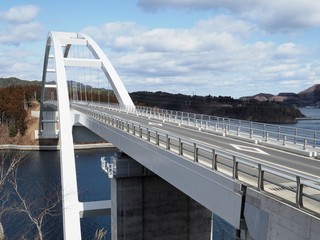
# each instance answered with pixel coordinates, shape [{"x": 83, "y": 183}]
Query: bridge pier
[{"x": 144, "y": 206}]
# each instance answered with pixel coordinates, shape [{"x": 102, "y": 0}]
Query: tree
[
  {"x": 100, "y": 234},
  {"x": 36, "y": 209},
  {"x": 9, "y": 162},
  {"x": 15, "y": 203}
]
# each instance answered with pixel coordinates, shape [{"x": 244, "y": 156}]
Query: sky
[{"x": 196, "y": 47}]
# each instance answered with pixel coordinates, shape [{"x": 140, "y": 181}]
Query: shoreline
[{"x": 54, "y": 147}]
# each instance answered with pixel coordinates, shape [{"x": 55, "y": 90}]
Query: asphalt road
[{"x": 266, "y": 155}]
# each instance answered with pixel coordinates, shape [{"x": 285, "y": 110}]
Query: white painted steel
[
  {"x": 306, "y": 187},
  {"x": 60, "y": 43},
  {"x": 51, "y": 86},
  {"x": 70, "y": 203},
  {"x": 219, "y": 194},
  {"x": 73, "y": 41},
  {"x": 113, "y": 77},
  {"x": 76, "y": 62}
]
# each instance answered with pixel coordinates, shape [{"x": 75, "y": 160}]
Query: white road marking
[
  {"x": 160, "y": 130},
  {"x": 249, "y": 149},
  {"x": 156, "y": 124}
]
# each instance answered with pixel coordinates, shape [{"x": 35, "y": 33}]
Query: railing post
[
  {"x": 278, "y": 133},
  {"x": 214, "y": 159},
  {"x": 188, "y": 119},
  {"x": 128, "y": 127},
  {"x": 295, "y": 136},
  {"x": 315, "y": 139},
  {"x": 133, "y": 129},
  {"x": 167, "y": 142},
  {"x": 305, "y": 144},
  {"x": 267, "y": 137},
  {"x": 235, "y": 168},
  {"x": 299, "y": 193},
  {"x": 195, "y": 152},
  {"x": 180, "y": 147},
  {"x": 284, "y": 140},
  {"x": 140, "y": 131},
  {"x": 260, "y": 177},
  {"x": 148, "y": 135},
  {"x": 157, "y": 138}
]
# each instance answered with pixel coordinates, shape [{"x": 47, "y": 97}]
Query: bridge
[{"x": 178, "y": 168}]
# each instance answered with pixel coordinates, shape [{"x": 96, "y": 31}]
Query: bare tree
[
  {"x": 36, "y": 205},
  {"x": 37, "y": 209},
  {"x": 100, "y": 234},
  {"x": 9, "y": 161}
]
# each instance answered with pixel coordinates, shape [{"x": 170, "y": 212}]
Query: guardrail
[
  {"x": 260, "y": 131},
  {"x": 284, "y": 135},
  {"x": 302, "y": 190}
]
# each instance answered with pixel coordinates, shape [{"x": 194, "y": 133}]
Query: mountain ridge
[{"x": 307, "y": 97}]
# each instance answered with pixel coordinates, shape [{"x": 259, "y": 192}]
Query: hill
[
  {"x": 252, "y": 110},
  {"x": 12, "y": 81},
  {"x": 261, "y": 107},
  {"x": 308, "y": 97}
]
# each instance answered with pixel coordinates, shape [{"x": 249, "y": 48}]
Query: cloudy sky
[{"x": 219, "y": 47}]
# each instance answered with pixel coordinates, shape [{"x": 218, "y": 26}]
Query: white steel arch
[{"x": 57, "y": 48}]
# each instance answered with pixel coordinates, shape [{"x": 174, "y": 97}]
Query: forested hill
[
  {"x": 268, "y": 112},
  {"x": 12, "y": 81},
  {"x": 14, "y": 103},
  {"x": 223, "y": 106}
]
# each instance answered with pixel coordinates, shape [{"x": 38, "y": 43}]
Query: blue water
[
  {"x": 309, "y": 124},
  {"x": 40, "y": 174}
]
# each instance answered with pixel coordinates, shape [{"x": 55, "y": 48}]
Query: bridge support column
[
  {"x": 144, "y": 206},
  {"x": 49, "y": 124}
]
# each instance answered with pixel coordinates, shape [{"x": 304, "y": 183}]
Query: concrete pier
[{"x": 144, "y": 206}]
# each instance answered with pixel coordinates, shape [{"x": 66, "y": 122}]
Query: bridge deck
[{"x": 243, "y": 148}]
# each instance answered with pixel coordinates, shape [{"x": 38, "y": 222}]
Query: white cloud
[
  {"x": 17, "y": 34},
  {"x": 20, "y": 14},
  {"x": 119, "y": 35},
  {"x": 19, "y": 25},
  {"x": 15, "y": 62},
  {"x": 212, "y": 57},
  {"x": 272, "y": 15}
]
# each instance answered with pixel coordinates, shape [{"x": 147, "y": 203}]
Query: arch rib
[
  {"x": 113, "y": 77},
  {"x": 61, "y": 42},
  {"x": 70, "y": 202}
]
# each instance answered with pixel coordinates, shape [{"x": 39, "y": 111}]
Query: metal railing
[
  {"x": 302, "y": 190},
  {"x": 260, "y": 131},
  {"x": 301, "y": 138}
]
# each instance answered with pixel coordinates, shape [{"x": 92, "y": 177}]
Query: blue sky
[{"x": 218, "y": 47}]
